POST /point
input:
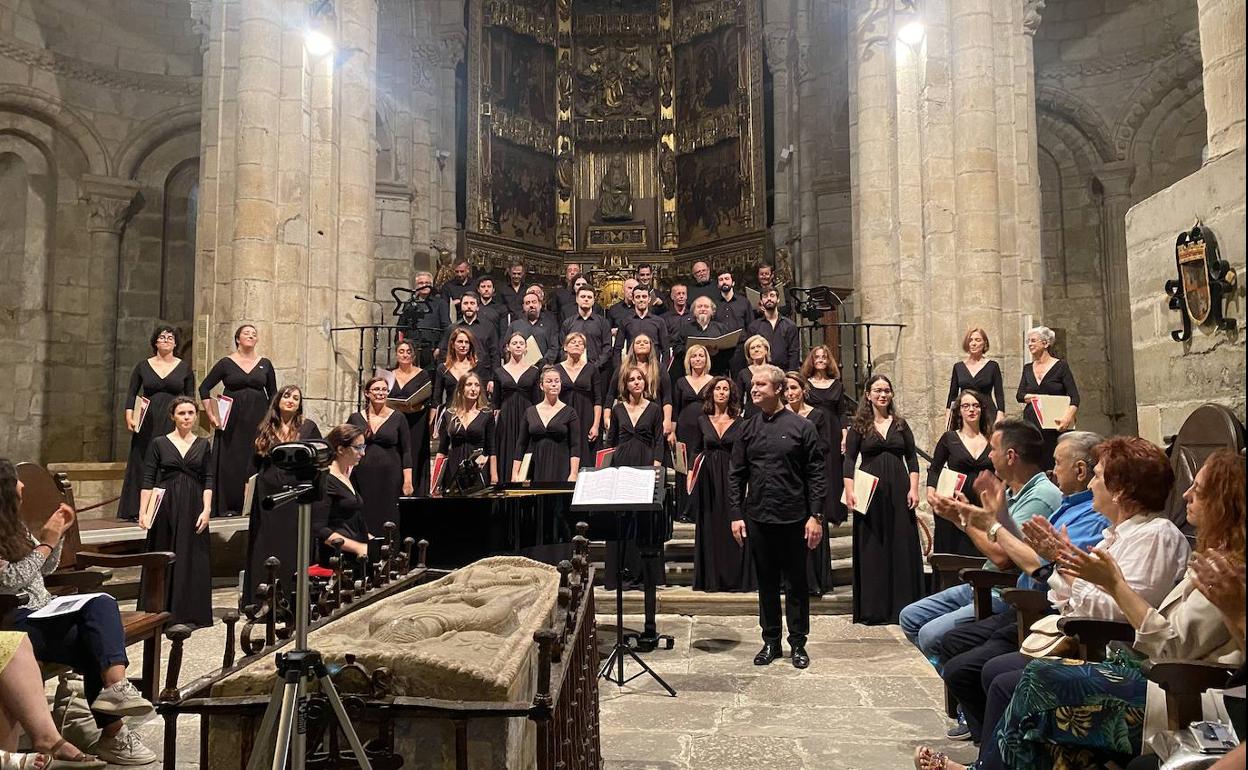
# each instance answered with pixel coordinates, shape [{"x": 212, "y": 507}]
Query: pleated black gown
[
  {"x": 640, "y": 444},
  {"x": 719, "y": 564},
  {"x": 819, "y": 561},
  {"x": 832, "y": 403},
  {"x": 460, "y": 441},
  {"x": 687, "y": 408},
  {"x": 418, "y": 430},
  {"x": 512, "y": 398},
  {"x": 273, "y": 533},
  {"x": 379, "y": 476},
  {"x": 888, "y": 568},
  {"x": 583, "y": 394},
  {"x": 252, "y": 391},
  {"x": 160, "y": 391},
  {"x": 950, "y": 452},
  {"x": 553, "y": 444},
  {"x": 184, "y": 480}
]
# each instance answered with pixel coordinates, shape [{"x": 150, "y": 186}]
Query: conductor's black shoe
[
  {"x": 800, "y": 658},
  {"x": 766, "y": 655}
]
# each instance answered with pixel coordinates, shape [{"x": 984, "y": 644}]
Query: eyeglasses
[{"x": 358, "y": 448}]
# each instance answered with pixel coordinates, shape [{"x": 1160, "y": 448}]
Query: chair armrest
[
  {"x": 153, "y": 586},
  {"x": 946, "y": 566},
  {"x": 8, "y": 605},
  {"x": 79, "y": 580},
  {"x": 1029, "y": 606},
  {"x": 1095, "y": 634},
  {"x": 1184, "y": 681},
  {"x": 982, "y": 581}
]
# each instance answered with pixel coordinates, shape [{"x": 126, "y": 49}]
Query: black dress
[
  {"x": 663, "y": 393},
  {"x": 831, "y": 402},
  {"x": 272, "y": 533},
  {"x": 418, "y": 430},
  {"x": 184, "y": 480},
  {"x": 719, "y": 564},
  {"x": 819, "y": 561},
  {"x": 553, "y": 444},
  {"x": 235, "y": 445},
  {"x": 687, "y": 408},
  {"x": 1057, "y": 381},
  {"x": 888, "y": 568},
  {"x": 745, "y": 379},
  {"x": 340, "y": 511},
  {"x": 445, "y": 382},
  {"x": 458, "y": 442},
  {"x": 987, "y": 382},
  {"x": 636, "y": 444},
  {"x": 160, "y": 391},
  {"x": 379, "y": 476},
  {"x": 950, "y": 452},
  {"x": 583, "y": 394},
  {"x": 512, "y": 398}
]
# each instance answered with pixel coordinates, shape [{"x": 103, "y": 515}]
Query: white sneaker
[
  {"x": 124, "y": 748},
  {"x": 122, "y": 700}
]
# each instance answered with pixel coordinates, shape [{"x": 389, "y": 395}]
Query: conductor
[{"x": 776, "y": 486}]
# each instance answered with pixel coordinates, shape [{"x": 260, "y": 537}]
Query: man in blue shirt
[
  {"x": 1017, "y": 456},
  {"x": 965, "y": 650}
]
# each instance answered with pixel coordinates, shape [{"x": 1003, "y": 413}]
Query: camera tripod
[{"x": 287, "y": 710}]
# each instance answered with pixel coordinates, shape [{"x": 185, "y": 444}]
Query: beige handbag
[{"x": 1045, "y": 639}]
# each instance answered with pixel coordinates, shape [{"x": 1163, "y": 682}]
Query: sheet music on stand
[{"x": 633, "y": 487}]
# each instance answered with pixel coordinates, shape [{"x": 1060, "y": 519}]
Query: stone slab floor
[{"x": 867, "y": 699}]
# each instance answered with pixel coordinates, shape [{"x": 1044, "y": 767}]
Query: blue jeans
[{"x": 924, "y": 622}]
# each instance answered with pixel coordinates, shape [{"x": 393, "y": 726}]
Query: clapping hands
[
  {"x": 54, "y": 528},
  {"x": 1221, "y": 580},
  {"x": 1044, "y": 539},
  {"x": 1097, "y": 567}
]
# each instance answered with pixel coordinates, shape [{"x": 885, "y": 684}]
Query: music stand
[{"x": 622, "y": 511}]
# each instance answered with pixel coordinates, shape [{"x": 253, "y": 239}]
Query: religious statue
[
  {"x": 615, "y": 197},
  {"x": 667, "y": 170}
]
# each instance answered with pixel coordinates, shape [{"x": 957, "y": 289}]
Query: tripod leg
[
  {"x": 340, "y": 711},
  {"x": 650, "y": 671},
  {"x": 264, "y": 735}
]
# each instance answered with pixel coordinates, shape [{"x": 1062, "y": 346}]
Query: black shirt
[
  {"x": 597, "y": 333},
  {"x": 543, "y": 331},
  {"x": 564, "y": 303},
  {"x": 786, "y": 351},
  {"x": 708, "y": 289},
  {"x": 493, "y": 313},
  {"x": 486, "y": 336},
  {"x": 777, "y": 471},
  {"x": 453, "y": 291},
  {"x": 513, "y": 299},
  {"x": 734, "y": 313},
  {"x": 691, "y": 328},
  {"x": 620, "y": 312},
  {"x": 675, "y": 320},
  {"x": 651, "y": 326}
]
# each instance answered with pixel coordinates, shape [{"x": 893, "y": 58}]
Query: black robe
[
  {"x": 379, "y": 476},
  {"x": 235, "y": 445},
  {"x": 160, "y": 391},
  {"x": 184, "y": 479}
]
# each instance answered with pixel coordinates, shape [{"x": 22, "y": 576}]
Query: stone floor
[{"x": 867, "y": 699}]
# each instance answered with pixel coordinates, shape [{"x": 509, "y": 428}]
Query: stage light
[
  {"x": 318, "y": 43},
  {"x": 911, "y": 33}
]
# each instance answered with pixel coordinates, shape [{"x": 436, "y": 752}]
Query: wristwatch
[
  {"x": 992, "y": 532},
  {"x": 817, "y": 517},
  {"x": 1041, "y": 574}
]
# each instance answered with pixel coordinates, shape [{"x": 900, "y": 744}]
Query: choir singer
[{"x": 776, "y": 485}]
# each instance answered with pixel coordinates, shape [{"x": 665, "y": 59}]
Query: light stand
[{"x": 287, "y": 709}]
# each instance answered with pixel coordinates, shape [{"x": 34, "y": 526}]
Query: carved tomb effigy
[{"x": 467, "y": 636}]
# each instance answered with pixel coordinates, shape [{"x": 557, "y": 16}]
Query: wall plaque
[{"x": 1205, "y": 281}]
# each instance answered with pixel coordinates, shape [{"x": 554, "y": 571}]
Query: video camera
[
  {"x": 409, "y": 309},
  {"x": 306, "y": 461},
  {"x": 813, "y": 302}
]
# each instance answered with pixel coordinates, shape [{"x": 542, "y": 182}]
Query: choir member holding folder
[
  {"x": 249, "y": 384},
  {"x": 468, "y": 425},
  {"x": 515, "y": 390},
  {"x": 385, "y": 471},
  {"x": 1048, "y": 389},
  {"x": 411, "y": 393},
  {"x": 579, "y": 386},
  {"x": 720, "y": 563},
  {"x": 687, "y": 402},
  {"x": 978, "y": 373},
  {"x": 818, "y": 560},
  {"x": 154, "y": 383},
  {"x": 636, "y": 434},
  {"x": 175, "y": 506},
  {"x": 550, "y": 435},
  {"x": 888, "y": 568},
  {"x": 960, "y": 454},
  {"x": 269, "y": 532}
]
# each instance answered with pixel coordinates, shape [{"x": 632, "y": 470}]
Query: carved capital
[
  {"x": 110, "y": 202},
  {"x": 1115, "y": 179},
  {"x": 1031, "y": 15},
  {"x": 776, "y": 44}
]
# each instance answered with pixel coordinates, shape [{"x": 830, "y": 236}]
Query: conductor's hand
[
  {"x": 738, "y": 531},
  {"x": 814, "y": 533}
]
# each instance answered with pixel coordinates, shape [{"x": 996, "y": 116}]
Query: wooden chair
[
  {"x": 1208, "y": 428},
  {"x": 1184, "y": 682},
  {"x": 41, "y": 494}
]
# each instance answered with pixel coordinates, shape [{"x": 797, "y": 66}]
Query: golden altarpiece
[{"x": 614, "y": 132}]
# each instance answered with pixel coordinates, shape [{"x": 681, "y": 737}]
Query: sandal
[
  {"x": 13, "y": 760},
  {"x": 926, "y": 759},
  {"x": 80, "y": 761}
]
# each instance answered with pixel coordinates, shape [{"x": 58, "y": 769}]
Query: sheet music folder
[{"x": 588, "y": 480}]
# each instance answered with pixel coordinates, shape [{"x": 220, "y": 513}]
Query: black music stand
[{"x": 621, "y": 512}]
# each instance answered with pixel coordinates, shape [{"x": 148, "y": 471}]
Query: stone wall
[{"x": 1172, "y": 378}]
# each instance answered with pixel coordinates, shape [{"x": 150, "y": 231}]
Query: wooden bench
[{"x": 42, "y": 493}]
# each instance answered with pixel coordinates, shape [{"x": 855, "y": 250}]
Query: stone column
[
  {"x": 1222, "y": 55},
  {"x": 776, "y": 40},
  {"x": 110, "y": 203},
  {"x": 1115, "y": 182}
]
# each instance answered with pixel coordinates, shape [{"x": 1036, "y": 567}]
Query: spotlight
[
  {"x": 912, "y": 33},
  {"x": 317, "y": 42}
]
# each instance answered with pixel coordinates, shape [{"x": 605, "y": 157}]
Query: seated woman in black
[
  {"x": 551, "y": 434},
  {"x": 338, "y": 518}
]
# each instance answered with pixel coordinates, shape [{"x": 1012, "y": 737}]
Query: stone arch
[
  {"x": 1179, "y": 72},
  {"x": 1078, "y": 116},
  {"x": 155, "y": 131},
  {"x": 1159, "y": 159},
  {"x": 55, "y": 113}
]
